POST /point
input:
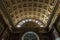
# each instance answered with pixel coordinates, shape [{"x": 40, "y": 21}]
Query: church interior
[{"x": 29, "y": 19}]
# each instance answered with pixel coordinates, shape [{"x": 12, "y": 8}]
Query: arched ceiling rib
[{"x": 38, "y": 9}]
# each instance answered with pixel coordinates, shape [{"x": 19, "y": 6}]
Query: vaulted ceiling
[
  {"x": 16, "y": 12},
  {"x": 21, "y": 16}
]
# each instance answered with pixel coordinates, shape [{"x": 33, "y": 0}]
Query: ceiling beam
[
  {"x": 53, "y": 13},
  {"x": 5, "y": 12}
]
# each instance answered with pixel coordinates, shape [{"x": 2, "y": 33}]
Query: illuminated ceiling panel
[{"x": 37, "y": 9}]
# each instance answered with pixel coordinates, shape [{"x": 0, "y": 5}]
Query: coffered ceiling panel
[{"x": 32, "y": 9}]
